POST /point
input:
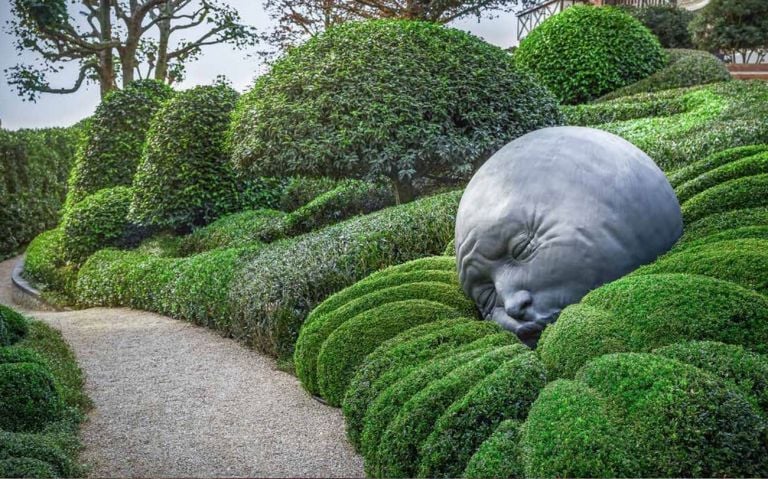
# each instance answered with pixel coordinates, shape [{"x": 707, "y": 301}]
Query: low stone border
[{"x": 26, "y": 295}]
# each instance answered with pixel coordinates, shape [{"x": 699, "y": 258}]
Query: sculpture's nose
[{"x": 516, "y": 304}]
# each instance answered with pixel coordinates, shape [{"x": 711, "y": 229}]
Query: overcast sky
[{"x": 63, "y": 110}]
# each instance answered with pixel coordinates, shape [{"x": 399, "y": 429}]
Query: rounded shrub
[
  {"x": 16, "y": 326},
  {"x": 28, "y": 397},
  {"x": 399, "y": 454},
  {"x": 337, "y": 105},
  {"x": 237, "y": 229},
  {"x": 506, "y": 394},
  {"x": 393, "y": 358},
  {"x": 45, "y": 264},
  {"x": 26, "y": 467},
  {"x": 36, "y": 447},
  {"x": 749, "y": 166},
  {"x": 744, "y": 233},
  {"x": 185, "y": 178},
  {"x": 391, "y": 400},
  {"x": 748, "y": 192},
  {"x": 349, "y": 344},
  {"x": 98, "y": 221},
  {"x": 20, "y": 355},
  {"x": 741, "y": 261},
  {"x": 711, "y": 162},
  {"x": 450, "y": 248},
  {"x": 114, "y": 139},
  {"x": 498, "y": 456},
  {"x": 585, "y": 52},
  {"x": 645, "y": 312},
  {"x": 299, "y": 190},
  {"x": 730, "y": 362},
  {"x": 314, "y": 334}
]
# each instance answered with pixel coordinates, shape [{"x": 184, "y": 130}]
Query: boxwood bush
[
  {"x": 98, "y": 221},
  {"x": 297, "y": 191},
  {"x": 114, "y": 138},
  {"x": 348, "y": 345},
  {"x": 686, "y": 68},
  {"x": 749, "y": 166},
  {"x": 498, "y": 456},
  {"x": 744, "y": 368},
  {"x": 14, "y": 325},
  {"x": 714, "y": 161},
  {"x": 185, "y": 178},
  {"x": 28, "y": 397},
  {"x": 643, "y": 415},
  {"x": 238, "y": 229},
  {"x": 337, "y": 105},
  {"x": 639, "y": 313},
  {"x": 740, "y": 193},
  {"x": 399, "y": 453},
  {"x": 681, "y": 126},
  {"x": 34, "y": 166},
  {"x": 46, "y": 267},
  {"x": 585, "y": 52},
  {"x": 722, "y": 222},
  {"x": 394, "y": 358},
  {"x": 506, "y": 394},
  {"x": 26, "y": 467}
]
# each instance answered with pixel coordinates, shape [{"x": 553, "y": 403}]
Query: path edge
[{"x": 24, "y": 294}]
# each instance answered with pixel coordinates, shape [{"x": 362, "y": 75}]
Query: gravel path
[{"x": 172, "y": 399}]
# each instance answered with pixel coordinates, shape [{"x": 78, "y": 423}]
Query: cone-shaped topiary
[
  {"x": 585, "y": 52},
  {"x": 394, "y": 98}
]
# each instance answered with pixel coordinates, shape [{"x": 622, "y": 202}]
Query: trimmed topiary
[
  {"x": 20, "y": 355},
  {"x": 741, "y": 261},
  {"x": 26, "y": 467},
  {"x": 337, "y": 105},
  {"x": 45, "y": 265},
  {"x": 299, "y": 190},
  {"x": 498, "y": 456},
  {"x": 450, "y": 248},
  {"x": 749, "y": 192},
  {"x": 644, "y": 312},
  {"x": 506, "y": 394},
  {"x": 36, "y": 447},
  {"x": 686, "y": 68},
  {"x": 714, "y": 161},
  {"x": 393, "y": 358},
  {"x": 730, "y": 362},
  {"x": 98, "y": 221},
  {"x": 114, "y": 139},
  {"x": 745, "y": 233},
  {"x": 28, "y": 397},
  {"x": 238, "y": 229},
  {"x": 749, "y": 166},
  {"x": 721, "y": 222},
  {"x": 585, "y": 52},
  {"x": 349, "y": 344},
  {"x": 314, "y": 334},
  {"x": 185, "y": 178},
  {"x": 385, "y": 408},
  {"x": 16, "y": 326}
]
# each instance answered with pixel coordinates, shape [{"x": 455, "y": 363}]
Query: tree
[
  {"x": 668, "y": 22},
  {"x": 132, "y": 39},
  {"x": 735, "y": 28},
  {"x": 296, "y": 20}
]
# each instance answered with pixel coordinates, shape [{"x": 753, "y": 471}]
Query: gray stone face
[{"x": 555, "y": 214}]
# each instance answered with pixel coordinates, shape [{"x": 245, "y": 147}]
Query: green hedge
[
  {"x": 98, "y": 221},
  {"x": 399, "y": 446},
  {"x": 643, "y": 312},
  {"x": 586, "y": 52},
  {"x": 298, "y": 191},
  {"x": 20, "y": 450},
  {"x": 185, "y": 178},
  {"x": 428, "y": 285},
  {"x": 746, "y": 369},
  {"x": 114, "y": 139},
  {"x": 337, "y": 105},
  {"x": 498, "y": 456},
  {"x": 741, "y": 193},
  {"x": 26, "y": 467},
  {"x": 386, "y": 407},
  {"x": 744, "y": 233},
  {"x": 716, "y": 160},
  {"x": 28, "y": 397},
  {"x": 13, "y": 324},
  {"x": 686, "y": 68},
  {"x": 239, "y": 229},
  {"x": 721, "y": 222},
  {"x": 280, "y": 284},
  {"x": 741, "y": 261},
  {"x": 679, "y": 127},
  {"x": 506, "y": 394},
  {"x": 394, "y": 358},
  {"x": 348, "y": 345},
  {"x": 45, "y": 266},
  {"x": 750, "y": 166},
  {"x": 643, "y": 415},
  {"x": 34, "y": 166}
]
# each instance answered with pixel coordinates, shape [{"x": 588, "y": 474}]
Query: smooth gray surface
[{"x": 555, "y": 214}]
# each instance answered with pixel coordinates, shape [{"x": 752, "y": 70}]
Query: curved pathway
[{"x": 172, "y": 399}]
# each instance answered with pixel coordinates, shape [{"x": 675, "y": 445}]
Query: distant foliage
[
  {"x": 34, "y": 166},
  {"x": 114, "y": 139},
  {"x": 185, "y": 178},
  {"x": 668, "y": 22},
  {"x": 393, "y": 98},
  {"x": 733, "y": 27},
  {"x": 585, "y": 52}
]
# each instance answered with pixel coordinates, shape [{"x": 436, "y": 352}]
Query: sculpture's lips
[{"x": 527, "y": 330}]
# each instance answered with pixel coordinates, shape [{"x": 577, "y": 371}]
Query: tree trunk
[
  {"x": 404, "y": 192},
  {"x": 164, "y": 26},
  {"x": 106, "y": 63}
]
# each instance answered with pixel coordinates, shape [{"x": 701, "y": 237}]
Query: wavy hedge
[
  {"x": 585, "y": 52},
  {"x": 34, "y": 166}
]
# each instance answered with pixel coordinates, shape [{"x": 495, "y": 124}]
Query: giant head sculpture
[{"x": 555, "y": 214}]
